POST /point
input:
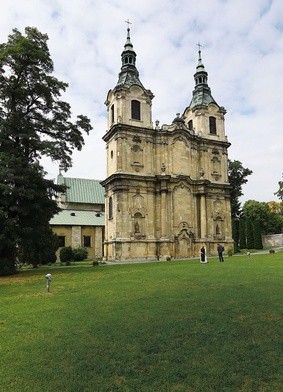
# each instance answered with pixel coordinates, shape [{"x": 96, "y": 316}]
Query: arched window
[
  {"x": 190, "y": 125},
  {"x": 136, "y": 110},
  {"x": 110, "y": 208},
  {"x": 212, "y": 125}
]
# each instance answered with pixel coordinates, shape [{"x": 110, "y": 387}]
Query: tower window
[
  {"x": 136, "y": 110},
  {"x": 212, "y": 125},
  {"x": 190, "y": 125},
  {"x": 110, "y": 208},
  {"x": 112, "y": 114}
]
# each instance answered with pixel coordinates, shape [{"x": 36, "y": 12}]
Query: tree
[
  {"x": 37, "y": 242},
  {"x": 257, "y": 234},
  {"x": 242, "y": 233},
  {"x": 237, "y": 177},
  {"x": 279, "y": 193},
  {"x": 236, "y": 234},
  {"x": 271, "y": 222},
  {"x": 276, "y": 207},
  {"x": 250, "y": 233},
  {"x": 34, "y": 122}
]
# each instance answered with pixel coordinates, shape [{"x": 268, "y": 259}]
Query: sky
[{"x": 242, "y": 51}]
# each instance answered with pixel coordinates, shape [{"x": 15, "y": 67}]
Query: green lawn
[{"x": 168, "y": 326}]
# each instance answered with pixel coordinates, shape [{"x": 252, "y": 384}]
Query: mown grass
[{"x": 172, "y": 326}]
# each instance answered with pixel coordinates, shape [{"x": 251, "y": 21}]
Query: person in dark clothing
[
  {"x": 202, "y": 254},
  {"x": 220, "y": 250},
  {"x": 203, "y": 258}
]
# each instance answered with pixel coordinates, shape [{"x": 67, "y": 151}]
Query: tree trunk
[{"x": 7, "y": 261}]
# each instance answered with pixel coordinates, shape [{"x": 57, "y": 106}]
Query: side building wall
[{"x": 74, "y": 237}]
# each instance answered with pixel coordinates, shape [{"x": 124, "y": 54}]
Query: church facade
[{"x": 166, "y": 192}]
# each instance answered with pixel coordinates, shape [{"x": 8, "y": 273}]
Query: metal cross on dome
[{"x": 128, "y": 23}]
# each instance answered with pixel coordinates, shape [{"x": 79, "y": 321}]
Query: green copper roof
[
  {"x": 202, "y": 94},
  {"x": 129, "y": 78},
  {"x": 78, "y": 218},
  {"x": 202, "y": 97},
  {"x": 129, "y": 74},
  {"x": 82, "y": 190}
]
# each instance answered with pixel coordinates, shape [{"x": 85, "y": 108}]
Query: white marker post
[{"x": 48, "y": 282}]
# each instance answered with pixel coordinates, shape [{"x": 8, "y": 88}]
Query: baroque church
[{"x": 167, "y": 192}]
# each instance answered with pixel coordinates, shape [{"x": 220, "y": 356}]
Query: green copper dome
[
  {"x": 202, "y": 94},
  {"x": 129, "y": 74}
]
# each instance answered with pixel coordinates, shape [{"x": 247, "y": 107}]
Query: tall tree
[
  {"x": 250, "y": 233},
  {"x": 276, "y": 207},
  {"x": 237, "y": 177},
  {"x": 257, "y": 234},
  {"x": 236, "y": 234},
  {"x": 279, "y": 193},
  {"x": 270, "y": 222},
  {"x": 34, "y": 122},
  {"x": 242, "y": 233}
]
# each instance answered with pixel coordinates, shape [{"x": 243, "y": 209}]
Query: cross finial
[
  {"x": 199, "y": 53},
  {"x": 128, "y": 23}
]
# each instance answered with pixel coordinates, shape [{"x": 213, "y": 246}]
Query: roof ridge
[{"x": 84, "y": 179}]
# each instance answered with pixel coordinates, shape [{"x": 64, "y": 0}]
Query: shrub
[
  {"x": 80, "y": 254},
  {"x": 230, "y": 252},
  {"x": 66, "y": 254},
  {"x": 49, "y": 258}
]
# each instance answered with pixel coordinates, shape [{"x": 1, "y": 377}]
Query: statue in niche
[{"x": 137, "y": 227}]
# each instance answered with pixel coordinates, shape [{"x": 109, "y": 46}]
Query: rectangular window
[
  {"x": 87, "y": 241},
  {"x": 112, "y": 114},
  {"x": 110, "y": 208},
  {"x": 212, "y": 125},
  {"x": 136, "y": 110},
  {"x": 61, "y": 241}
]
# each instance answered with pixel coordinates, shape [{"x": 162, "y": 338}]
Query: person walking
[{"x": 220, "y": 250}]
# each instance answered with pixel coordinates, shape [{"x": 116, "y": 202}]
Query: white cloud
[{"x": 242, "y": 52}]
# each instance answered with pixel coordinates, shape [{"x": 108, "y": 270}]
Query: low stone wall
[{"x": 272, "y": 240}]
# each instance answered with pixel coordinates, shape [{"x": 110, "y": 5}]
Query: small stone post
[{"x": 48, "y": 282}]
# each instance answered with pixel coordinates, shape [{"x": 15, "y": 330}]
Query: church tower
[{"x": 167, "y": 190}]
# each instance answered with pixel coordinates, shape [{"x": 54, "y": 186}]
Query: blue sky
[{"x": 242, "y": 50}]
